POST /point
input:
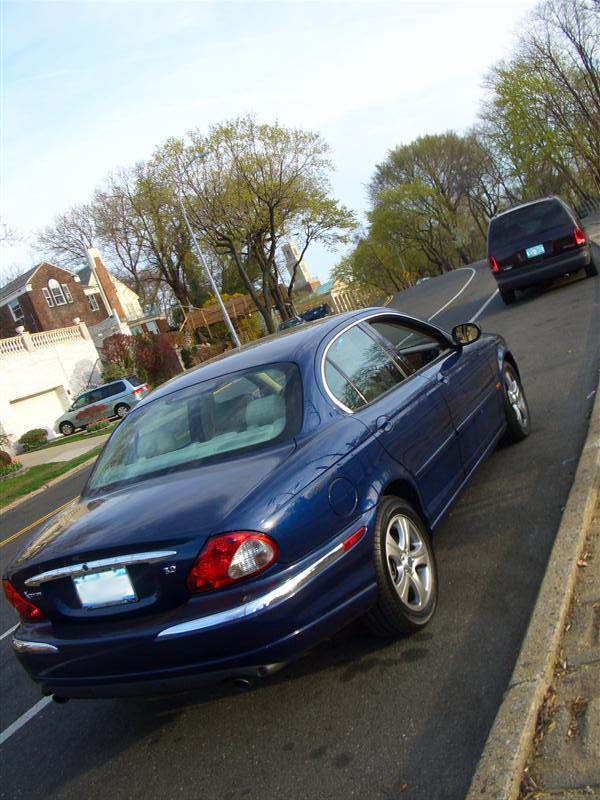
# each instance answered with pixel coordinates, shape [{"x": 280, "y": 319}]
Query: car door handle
[
  {"x": 442, "y": 378},
  {"x": 383, "y": 423}
]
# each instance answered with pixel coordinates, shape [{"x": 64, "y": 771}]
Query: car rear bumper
[
  {"x": 316, "y": 597},
  {"x": 544, "y": 271}
]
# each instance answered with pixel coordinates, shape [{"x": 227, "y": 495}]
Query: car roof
[
  {"x": 287, "y": 345},
  {"x": 529, "y": 203}
]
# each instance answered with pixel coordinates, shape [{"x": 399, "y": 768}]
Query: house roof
[
  {"x": 17, "y": 286},
  {"x": 84, "y": 274}
]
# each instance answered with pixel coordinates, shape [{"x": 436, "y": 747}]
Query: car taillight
[
  {"x": 231, "y": 557},
  {"x": 493, "y": 264},
  {"x": 27, "y": 610},
  {"x": 579, "y": 237}
]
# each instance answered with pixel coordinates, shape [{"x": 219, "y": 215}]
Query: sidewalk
[
  {"x": 62, "y": 452},
  {"x": 565, "y": 763}
]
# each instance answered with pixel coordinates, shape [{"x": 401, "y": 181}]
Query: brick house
[
  {"x": 45, "y": 298},
  {"x": 49, "y": 297}
]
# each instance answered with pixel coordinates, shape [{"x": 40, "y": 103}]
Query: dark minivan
[{"x": 537, "y": 242}]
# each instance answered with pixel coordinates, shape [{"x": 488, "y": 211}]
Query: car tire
[
  {"x": 516, "y": 408},
  {"x": 405, "y": 569},
  {"x": 508, "y": 296},
  {"x": 121, "y": 410},
  {"x": 592, "y": 268},
  {"x": 66, "y": 428}
]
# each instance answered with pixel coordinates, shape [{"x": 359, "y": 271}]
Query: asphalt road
[{"x": 356, "y": 717}]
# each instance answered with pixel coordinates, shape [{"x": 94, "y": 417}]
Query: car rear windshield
[
  {"x": 134, "y": 380},
  {"x": 525, "y": 222},
  {"x": 208, "y": 421}
]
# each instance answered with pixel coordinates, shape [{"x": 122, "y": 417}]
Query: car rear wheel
[
  {"x": 508, "y": 296},
  {"x": 121, "y": 410},
  {"x": 516, "y": 408},
  {"x": 66, "y": 428},
  {"x": 406, "y": 571},
  {"x": 592, "y": 268}
]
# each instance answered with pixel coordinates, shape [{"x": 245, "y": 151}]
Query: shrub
[
  {"x": 97, "y": 426},
  {"x": 151, "y": 357},
  {"x": 187, "y": 356},
  {"x": 5, "y": 458},
  {"x": 6, "y": 469},
  {"x": 33, "y": 438}
]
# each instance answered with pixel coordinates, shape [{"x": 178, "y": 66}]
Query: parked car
[
  {"x": 536, "y": 242},
  {"x": 422, "y": 280},
  {"x": 112, "y": 399},
  {"x": 254, "y": 505},
  {"x": 290, "y": 323},
  {"x": 318, "y": 312}
]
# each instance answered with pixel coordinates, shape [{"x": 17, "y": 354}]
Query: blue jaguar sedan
[{"x": 252, "y": 506}]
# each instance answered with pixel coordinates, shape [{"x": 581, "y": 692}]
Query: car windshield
[
  {"x": 527, "y": 221},
  {"x": 208, "y": 421}
]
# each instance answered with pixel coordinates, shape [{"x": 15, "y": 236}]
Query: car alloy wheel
[
  {"x": 408, "y": 563},
  {"x": 122, "y": 410},
  {"x": 405, "y": 570},
  {"x": 66, "y": 429},
  {"x": 516, "y": 408}
]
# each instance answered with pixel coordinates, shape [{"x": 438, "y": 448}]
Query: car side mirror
[{"x": 467, "y": 333}]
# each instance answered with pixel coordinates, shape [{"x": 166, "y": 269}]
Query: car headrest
[{"x": 265, "y": 411}]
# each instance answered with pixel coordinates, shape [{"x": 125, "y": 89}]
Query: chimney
[{"x": 107, "y": 290}]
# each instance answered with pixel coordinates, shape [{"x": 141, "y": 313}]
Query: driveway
[{"x": 61, "y": 452}]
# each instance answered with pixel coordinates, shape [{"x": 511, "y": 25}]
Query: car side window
[
  {"x": 363, "y": 364},
  {"x": 114, "y": 388},
  {"x": 414, "y": 348},
  {"x": 81, "y": 401}
]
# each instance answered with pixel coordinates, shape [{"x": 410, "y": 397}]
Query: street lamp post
[{"x": 211, "y": 280}]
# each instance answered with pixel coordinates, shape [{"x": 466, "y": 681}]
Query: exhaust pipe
[{"x": 243, "y": 684}]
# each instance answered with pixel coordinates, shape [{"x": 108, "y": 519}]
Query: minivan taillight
[
  {"x": 493, "y": 264},
  {"x": 26, "y": 609},
  {"x": 140, "y": 389},
  {"x": 231, "y": 557},
  {"x": 579, "y": 237}
]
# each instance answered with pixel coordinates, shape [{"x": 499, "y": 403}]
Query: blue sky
[{"x": 88, "y": 86}]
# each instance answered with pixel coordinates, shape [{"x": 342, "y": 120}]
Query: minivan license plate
[
  {"x": 110, "y": 587},
  {"x": 536, "y": 250}
]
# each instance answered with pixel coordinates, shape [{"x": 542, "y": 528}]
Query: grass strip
[
  {"x": 33, "y": 478},
  {"x": 75, "y": 438}
]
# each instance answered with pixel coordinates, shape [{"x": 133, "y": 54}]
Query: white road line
[
  {"x": 484, "y": 306},
  {"x": 24, "y": 719},
  {"x": 439, "y": 311},
  {"x": 9, "y": 631}
]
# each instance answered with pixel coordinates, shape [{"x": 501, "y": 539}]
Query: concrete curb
[
  {"x": 43, "y": 488},
  {"x": 500, "y": 768}
]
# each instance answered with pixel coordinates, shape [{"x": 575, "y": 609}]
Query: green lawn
[
  {"x": 33, "y": 478},
  {"x": 75, "y": 438}
]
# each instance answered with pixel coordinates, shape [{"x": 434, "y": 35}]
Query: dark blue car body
[{"x": 422, "y": 440}]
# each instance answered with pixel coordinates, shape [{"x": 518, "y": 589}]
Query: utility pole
[{"x": 204, "y": 266}]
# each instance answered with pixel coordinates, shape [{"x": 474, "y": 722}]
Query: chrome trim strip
[
  {"x": 273, "y": 598},
  {"x": 73, "y": 570},
  {"x": 22, "y": 646}
]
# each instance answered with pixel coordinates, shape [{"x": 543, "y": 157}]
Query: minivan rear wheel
[
  {"x": 121, "y": 410},
  {"x": 406, "y": 571},
  {"x": 592, "y": 268},
  {"x": 508, "y": 296}
]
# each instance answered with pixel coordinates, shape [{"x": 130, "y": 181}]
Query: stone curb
[
  {"x": 43, "y": 488},
  {"x": 500, "y": 768}
]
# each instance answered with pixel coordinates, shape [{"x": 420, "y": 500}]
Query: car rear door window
[
  {"x": 528, "y": 221},
  {"x": 341, "y": 388},
  {"x": 113, "y": 389},
  {"x": 413, "y": 348},
  {"x": 364, "y": 364}
]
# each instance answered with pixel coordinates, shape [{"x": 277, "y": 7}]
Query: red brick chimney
[{"x": 105, "y": 283}]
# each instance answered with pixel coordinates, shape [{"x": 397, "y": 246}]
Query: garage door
[{"x": 37, "y": 410}]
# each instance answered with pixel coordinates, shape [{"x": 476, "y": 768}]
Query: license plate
[
  {"x": 536, "y": 250},
  {"x": 111, "y": 587}
]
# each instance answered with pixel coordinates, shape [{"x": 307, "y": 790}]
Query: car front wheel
[
  {"x": 66, "y": 428},
  {"x": 406, "y": 571},
  {"x": 516, "y": 408}
]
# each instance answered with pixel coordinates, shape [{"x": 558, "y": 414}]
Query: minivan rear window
[{"x": 525, "y": 222}]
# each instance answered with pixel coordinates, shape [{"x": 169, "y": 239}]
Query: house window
[
  {"x": 48, "y": 297},
  {"x": 16, "y": 310},
  {"x": 57, "y": 292},
  {"x": 93, "y": 302},
  {"x": 67, "y": 292}
]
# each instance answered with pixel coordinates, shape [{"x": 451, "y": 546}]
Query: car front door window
[{"x": 414, "y": 348}]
